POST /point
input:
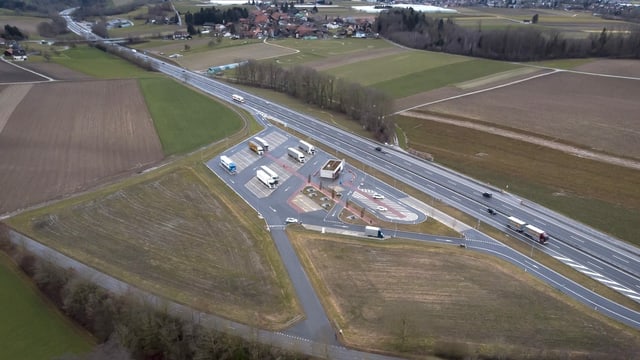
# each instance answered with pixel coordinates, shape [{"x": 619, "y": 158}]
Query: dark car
[
  {"x": 378, "y": 148},
  {"x": 488, "y": 195},
  {"x": 491, "y": 211}
]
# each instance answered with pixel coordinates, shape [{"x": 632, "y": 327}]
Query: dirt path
[{"x": 576, "y": 151}]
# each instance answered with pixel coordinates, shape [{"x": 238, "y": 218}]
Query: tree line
[
  {"x": 514, "y": 43},
  {"x": 126, "y": 327},
  {"x": 368, "y": 106},
  {"x": 216, "y": 15}
]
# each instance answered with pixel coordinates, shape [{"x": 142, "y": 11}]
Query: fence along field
[
  {"x": 55, "y": 145},
  {"x": 171, "y": 236}
]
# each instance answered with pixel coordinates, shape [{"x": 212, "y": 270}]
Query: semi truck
[
  {"x": 306, "y": 147},
  {"x": 297, "y": 155},
  {"x": 528, "y": 230},
  {"x": 237, "y": 98},
  {"x": 265, "y": 179},
  {"x": 255, "y": 147},
  {"x": 373, "y": 231},
  {"x": 228, "y": 164},
  {"x": 271, "y": 173},
  {"x": 262, "y": 142}
]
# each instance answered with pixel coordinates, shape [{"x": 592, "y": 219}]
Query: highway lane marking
[
  {"x": 455, "y": 198},
  {"x": 624, "y": 289},
  {"x": 575, "y": 238},
  {"x": 554, "y": 245},
  {"x": 541, "y": 223},
  {"x": 431, "y": 186},
  {"x": 594, "y": 265},
  {"x": 506, "y": 207},
  {"x": 451, "y": 182},
  {"x": 623, "y": 260},
  {"x": 607, "y": 281},
  {"x": 592, "y": 273},
  {"x": 637, "y": 298},
  {"x": 562, "y": 258},
  {"x": 572, "y": 264}
]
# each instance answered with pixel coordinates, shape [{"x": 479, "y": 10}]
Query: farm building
[{"x": 331, "y": 169}]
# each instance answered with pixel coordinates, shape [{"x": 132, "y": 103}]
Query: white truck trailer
[
  {"x": 265, "y": 179},
  {"x": 516, "y": 224},
  {"x": 296, "y": 154},
  {"x": 373, "y": 231},
  {"x": 255, "y": 147},
  {"x": 306, "y": 147},
  {"x": 262, "y": 142},
  {"x": 228, "y": 164},
  {"x": 237, "y": 98},
  {"x": 536, "y": 234},
  {"x": 271, "y": 173}
]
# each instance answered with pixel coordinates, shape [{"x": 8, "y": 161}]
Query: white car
[
  {"x": 291, "y": 220},
  {"x": 381, "y": 208},
  {"x": 378, "y": 196}
]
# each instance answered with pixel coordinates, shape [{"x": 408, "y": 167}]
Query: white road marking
[
  {"x": 506, "y": 207},
  {"x": 621, "y": 259},
  {"x": 562, "y": 258},
  {"x": 451, "y": 182},
  {"x": 594, "y": 265},
  {"x": 554, "y": 245},
  {"x": 624, "y": 289},
  {"x": 575, "y": 238},
  {"x": 591, "y": 273},
  {"x": 608, "y": 281},
  {"x": 577, "y": 266},
  {"x": 455, "y": 198},
  {"x": 272, "y": 209}
]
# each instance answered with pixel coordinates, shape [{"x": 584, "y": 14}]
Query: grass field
[
  {"x": 313, "y": 50},
  {"x": 31, "y": 327},
  {"x": 99, "y": 64},
  {"x": 419, "y": 299},
  {"x": 28, "y": 25},
  {"x": 441, "y": 76},
  {"x": 186, "y": 119},
  {"x": 580, "y": 188},
  {"x": 170, "y": 235}
]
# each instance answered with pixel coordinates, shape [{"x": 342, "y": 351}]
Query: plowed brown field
[{"x": 51, "y": 146}]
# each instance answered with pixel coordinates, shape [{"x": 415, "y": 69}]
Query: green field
[
  {"x": 186, "y": 119},
  {"x": 312, "y": 50},
  {"x": 99, "y": 64},
  {"x": 31, "y": 327},
  {"x": 445, "y": 75}
]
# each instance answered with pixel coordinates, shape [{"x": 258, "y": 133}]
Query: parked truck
[
  {"x": 228, "y": 164},
  {"x": 306, "y": 147},
  {"x": 271, "y": 173},
  {"x": 255, "y": 147},
  {"x": 373, "y": 231},
  {"x": 528, "y": 230},
  {"x": 265, "y": 179},
  {"x": 297, "y": 155},
  {"x": 262, "y": 142}
]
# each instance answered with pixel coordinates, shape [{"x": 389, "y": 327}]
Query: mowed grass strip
[
  {"x": 408, "y": 297},
  {"x": 394, "y": 66},
  {"x": 313, "y": 50},
  {"x": 434, "y": 78},
  {"x": 97, "y": 63},
  {"x": 171, "y": 236},
  {"x": 31, "y": 327},
  {"x": 601, "y": 195},
  {"x": 186, "y": 119}
]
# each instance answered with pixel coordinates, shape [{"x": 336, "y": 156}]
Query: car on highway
[
  {"x": 378, "y": 196},
  {"x": 488, "y": 195},
  {"x": 291, "y": 220},
  {"x": 491, "y": 211},
  {"x": 381, "y": 208},
  {"x": 378, "y": 148}
]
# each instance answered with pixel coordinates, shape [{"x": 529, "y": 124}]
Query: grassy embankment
[
  {"x": 32, "y": 328},
  {"x": 418, "y": 299}
]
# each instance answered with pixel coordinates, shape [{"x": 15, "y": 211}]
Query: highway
[{"x": 595, "y": 254}]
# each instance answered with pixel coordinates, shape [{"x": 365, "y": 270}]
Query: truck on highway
[
  {"x": 536, "y": 234},
  {"x": 265, "y": 179},
  {"x": 255, "y": 147},
  {"x": 294, "y": 153},
  {"x": 271, "y": 173},
  {"x": 262, "y": 142},
  {"x": 228, "y": 164},
  {"x": 373, "y": 231},
  {"x": 237, "y": 98},
  {"x": 306, "y": 147},
  {"x": 528, "y": 230}
]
